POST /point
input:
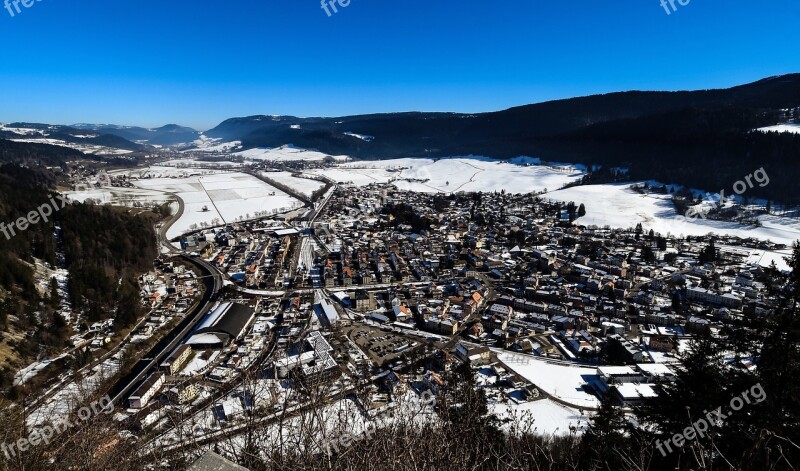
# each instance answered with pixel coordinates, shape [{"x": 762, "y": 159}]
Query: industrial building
[{"x": 222, "y": 326}]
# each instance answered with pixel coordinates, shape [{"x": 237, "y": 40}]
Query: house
[
  {"x": 183, "y": 393},
  {"x": 379, "y": 318},
  {"x": 473, "y": 355},
  {"x": 442, "y": 326},
  {"x": 147, "y": 390},
  {"x": 402, "y": 313},
  {"x": 433, "y": 381},
  {"x": 631, "y": 351},
  {"x": 611, "y": 375},
  {"x": 177, "y": 360},
  {"x": 707, "y": 296},
  {"x": 661, "y": 343}
]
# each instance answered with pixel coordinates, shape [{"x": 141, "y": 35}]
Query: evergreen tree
[
  {"x": 605, "y": 443},
  {"x": 55, "y": 299},
  {"x": 127, "y": 310},
  {"x": 647, "y": 254},
  {"x": 709, "y": 254}
]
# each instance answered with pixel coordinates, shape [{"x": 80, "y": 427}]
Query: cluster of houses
[
  {"x": 512, "y": 272},
  {"x": 168, "y": 291},
  {"x": 252, "y": 256},
  {"x": 497, "y": 271}
]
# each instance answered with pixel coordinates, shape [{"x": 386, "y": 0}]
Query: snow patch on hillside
[
  {"x": 287, "y": 153},
  {"x": 617, "y": 206},
  {"x": 788, "y": 127}
]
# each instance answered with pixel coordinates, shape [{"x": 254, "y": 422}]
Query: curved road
[{"x": 213, "y": 281}]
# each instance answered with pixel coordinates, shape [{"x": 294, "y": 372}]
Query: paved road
[
  {"x": 162, "y": 230},
  {"x": 213, "y": 281}
]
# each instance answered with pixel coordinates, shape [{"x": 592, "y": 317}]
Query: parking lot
[{"x": 382, "y": 347}]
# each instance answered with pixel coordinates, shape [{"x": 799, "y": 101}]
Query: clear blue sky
[{"x": 197, "y": 62}]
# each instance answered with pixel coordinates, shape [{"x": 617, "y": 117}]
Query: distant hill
[
  {"x": 504, "y": 133},
  {"x": 702, "y": 138},
  {"x": 29, "y": 153},
  {"x": 68, "y": 134},
  {"x": 169, "y": 135}
]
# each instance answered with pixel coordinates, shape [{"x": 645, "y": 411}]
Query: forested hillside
[{"x": 103, "y": 249}]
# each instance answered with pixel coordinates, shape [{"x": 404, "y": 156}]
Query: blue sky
[{"x": 198, "y": 62}]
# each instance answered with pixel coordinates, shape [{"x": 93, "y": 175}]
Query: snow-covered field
[
  {"x": 618, "y": 206},
  {"x": 158, "y": 171},
  {"x": 559, "y": 380},
  {"x": 287, "y": 154},
  {"x": 213, "y": 198},
  {"x": 792, "y": 128},
  {"x": 305, "y": 186},
  {"x": 130, "y": 197},
  {"x": 766, "y": 257},
  {"x": 358, "y": 177},
  {"x": 456, "y": 174},
  {"x": 191, "y": 163},
  {"x": 547, "y": 417}
]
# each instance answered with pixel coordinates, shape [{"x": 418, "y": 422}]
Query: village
[{"x": 389, "y": 290}]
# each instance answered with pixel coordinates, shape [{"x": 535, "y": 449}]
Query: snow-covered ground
[
  {"x": 191, "y": 163},
  {"x": 360, "y": 136},
  {"x": 456, "y": 174},
  {"x": 198, "y": 364},
  {"x": 29, "y": 372},
  {"x": 563, "y": 381},
  {"x": 547, "y": 417},
  {"x": 305, "y": 186},
  {"x": 358, "y": 177},
  {"x": 219, "y": 198},
  {"x": 287, "y": 154},
  {"x": 614, "y": 205},
  {"x": 210, "y": 144},
  {"x": 130, "y": 197},
  {"x": 766, "y": 257},
  {"x": 618, "y": 206},
  {"x": 160, "y": 171},
  {"x": 76, "y": 393},
  {"x": 792, "y": 128},
  {"x": 85, "y": 148},
  {"x": 39, "y": 136}
]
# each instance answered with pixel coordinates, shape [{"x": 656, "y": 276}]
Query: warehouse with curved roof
[{"x": 222, "y": 326}]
